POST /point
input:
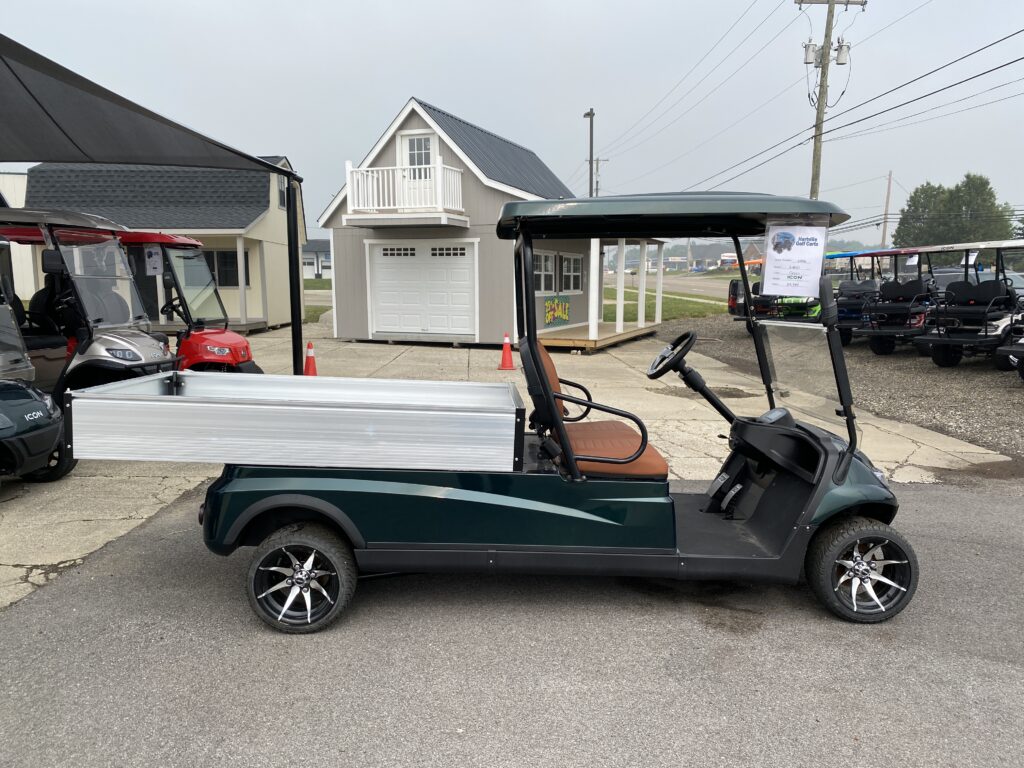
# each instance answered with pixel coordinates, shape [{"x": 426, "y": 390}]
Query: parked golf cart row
[{"x": 87, "y": 325}]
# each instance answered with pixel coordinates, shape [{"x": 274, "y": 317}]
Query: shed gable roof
[
  {"x": 496, "y": 161},
  {"x": 150, "y": 196}
]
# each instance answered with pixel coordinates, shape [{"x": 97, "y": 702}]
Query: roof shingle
[{"x": 152, "y": 197}]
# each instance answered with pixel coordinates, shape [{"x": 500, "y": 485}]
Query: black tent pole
[{"x": 295, "y": 279}]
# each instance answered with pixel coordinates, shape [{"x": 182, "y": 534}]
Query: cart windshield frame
[{"x": 195, "y": 286}]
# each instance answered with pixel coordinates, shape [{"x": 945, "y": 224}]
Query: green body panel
[
  {"x": 861, "y": 487},
  {"x": 459, "y": 507}
]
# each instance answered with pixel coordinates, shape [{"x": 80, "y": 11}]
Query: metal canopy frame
[{"x": 52, "y": 114}]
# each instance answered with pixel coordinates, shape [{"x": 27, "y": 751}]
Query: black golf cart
[
  {"x": 898, "y": 311},
  {"x": 854, "y": 286},
  {"x": 461, "y": 476},
  {"x": 975, "y": 313}
]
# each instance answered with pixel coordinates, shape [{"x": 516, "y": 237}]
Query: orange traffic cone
[
  {"x": 506, "y": 356},
  {"x": 310, "y": 368}
]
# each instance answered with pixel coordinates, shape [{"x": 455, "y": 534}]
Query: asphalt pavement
[{"x": 149, "y": 654}]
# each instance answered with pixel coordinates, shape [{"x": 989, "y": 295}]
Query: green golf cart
[{"x": 463, "y": 477}]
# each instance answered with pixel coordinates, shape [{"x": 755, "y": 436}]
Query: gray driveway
[{"x": 148, "y": 654}]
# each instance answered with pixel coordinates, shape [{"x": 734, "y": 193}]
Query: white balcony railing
[{"x": 434, "y": 187}]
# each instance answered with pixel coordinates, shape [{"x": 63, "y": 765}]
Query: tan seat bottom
[{"x": 616, "y": 440}]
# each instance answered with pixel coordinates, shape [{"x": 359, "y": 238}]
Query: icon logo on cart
[{"x": 34, "y": 415}]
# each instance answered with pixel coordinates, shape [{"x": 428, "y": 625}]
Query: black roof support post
[{"x": 295, "y": 277}]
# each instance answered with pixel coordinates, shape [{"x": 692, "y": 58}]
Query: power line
[
  {"x": 707, "y": 95},
  {"x": 901, "y": 18},
  {"x": 845, "y": 125},
  {"x": 851, "y": 109},
  {"x": 854, "y": 184},
  {"x": 696, "y": 85},
  {"x": 681, "y": 80}
]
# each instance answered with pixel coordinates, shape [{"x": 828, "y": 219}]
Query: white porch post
[
  {"x": 265, "y": 314},
  {"x": 620, "y": 285},
  {"x": 348, "y": 185},
  {"x": 240, "y": 260},
  {"x": 658, "y": 282},
  {"x": 595, "y": 303},
  {"x": 641, "y": 299},
  {"x": 438, "y": 183}
]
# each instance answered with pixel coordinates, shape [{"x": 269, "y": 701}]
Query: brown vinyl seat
[{"x": 611, "y": 439}]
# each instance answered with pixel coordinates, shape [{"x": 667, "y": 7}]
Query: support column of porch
[
  {"x": 595, "y": 303},
  {"x": 620, "y": 285},
  {"x": 243, "y": 314},
  {"x": 641, "y": 284},
  {"x": 658, "y": 282}
]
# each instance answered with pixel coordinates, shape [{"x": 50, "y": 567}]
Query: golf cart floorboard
[{"x": 703, "y": 534}]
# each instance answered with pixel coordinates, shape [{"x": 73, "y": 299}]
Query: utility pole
[
  {"x": 821, "y": 59},
  {"x": 589, "y": 115},
  {"x": 885, "y": 213},
  {"x": 597, "y": 175}
]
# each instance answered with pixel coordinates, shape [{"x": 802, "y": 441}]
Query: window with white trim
[
  {"x": 448, "y": 251},
  {"x": 282, "y": 191},
  {"x": 543, "y": 272},
  {"x": 572, "y": 274},
  {"x": 389, "y": 251}
]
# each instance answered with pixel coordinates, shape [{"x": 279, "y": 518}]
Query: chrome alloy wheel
[
  {"x": 872, "y": 576},
  {"x": 295, "y": 585}
]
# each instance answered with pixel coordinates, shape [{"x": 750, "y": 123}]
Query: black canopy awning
[{"x": 51, "y": 114}]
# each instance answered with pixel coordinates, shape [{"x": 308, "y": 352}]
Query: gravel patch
[{"x": 972, "y": 402}]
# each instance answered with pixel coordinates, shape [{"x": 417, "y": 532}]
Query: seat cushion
[
  {"x": 37, "y": 341},
  {"x": 616, "y": 440}
]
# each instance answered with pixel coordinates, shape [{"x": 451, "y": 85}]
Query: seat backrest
[
  {"x": 994, "y": 291},
  {"x": 912, "y": 288},
  {"x": 43, "y": 299},
  {"x": 848, "y": 288},
  {"x": 959, "y": 293},
  {"x": 537, "y": 373},
  {"x": 869, "y": 285},
  {"x": 890, "y": 291}
]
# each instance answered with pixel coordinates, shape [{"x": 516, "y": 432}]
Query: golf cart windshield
[
  {"x": 196, "y": 286},
  {"x": 99, "y": 270},
  {"x": 801, "y": 372},
  {"x": 14, "y": 362}
]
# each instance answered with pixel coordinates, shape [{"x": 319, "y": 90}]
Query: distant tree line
[{"x": 966, "y": 212}]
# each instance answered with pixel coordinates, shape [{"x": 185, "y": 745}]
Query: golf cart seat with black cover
[
  {"x": 896, "y": 295},
  {"x": 601, "y": 448},
  {"x": 37, "y": 329},
  {"x": 852, "y": 289},
  {"x": 988, "y": 300}
]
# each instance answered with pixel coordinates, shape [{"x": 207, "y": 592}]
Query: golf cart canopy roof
[
  {"x": 982, "y": 245},
  {"x": 678, "y": 214},
  {"x": 22, "y": 216},
  {"x": 142, "y": 238}
]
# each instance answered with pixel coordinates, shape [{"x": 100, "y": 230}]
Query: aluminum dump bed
[{"x": 237, "y": 418}]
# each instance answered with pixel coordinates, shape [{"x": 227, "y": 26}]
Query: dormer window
[{"x": 282, "y": 191}]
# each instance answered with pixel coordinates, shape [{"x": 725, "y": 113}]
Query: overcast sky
[{"x": 318, "y": 81}]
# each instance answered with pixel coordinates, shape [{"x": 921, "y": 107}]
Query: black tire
[
  {"x": 882, "y": 345},
  {"x": 289, "y": 549},
  {"x": 1002, "y": 363},
  {"x": 946, "y": 356},
  {"x": 1020, "y": 369},
  {"x": 832, "y": 551},
  {"x": 924, "y": 350},
  {"x": 60, "y": 464},
  {"x": 845, "y": 336}
]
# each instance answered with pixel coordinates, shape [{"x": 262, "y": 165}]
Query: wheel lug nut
[{"x": 287, "y": 581}]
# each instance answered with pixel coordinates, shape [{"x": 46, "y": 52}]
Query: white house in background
[
  {"x": 415, "y": 256},
  {"x": 239, "y": 216},
  {"x": 316, "y": 258}
]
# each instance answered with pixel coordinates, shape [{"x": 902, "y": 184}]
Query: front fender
[{"x": 861, "y": 491}]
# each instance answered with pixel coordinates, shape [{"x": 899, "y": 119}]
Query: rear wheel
[
  {"x": 1003, "y": 363},
  {"x": 59, "y": 465},
  {"x": 301, "y": 578},
  {"x": 1020, "y": 369},
  {"x": 861, "y": 570},
  {"x": 945, "y": 356},
  {"x": 882, "y": 345},
  {"x": 845, "y": 335},
  {"x": 924, "y": 350}
]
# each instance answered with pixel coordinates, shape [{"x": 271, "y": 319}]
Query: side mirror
[
  {"x": 827, "y": 300},
  {"x": 168, "y": 280},
  {"x": 53, "y": 262}
]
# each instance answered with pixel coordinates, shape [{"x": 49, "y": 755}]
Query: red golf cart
[{"x": 190, "y": 293}]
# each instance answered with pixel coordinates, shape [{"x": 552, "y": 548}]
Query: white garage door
[{"x": 423, "y": 287}]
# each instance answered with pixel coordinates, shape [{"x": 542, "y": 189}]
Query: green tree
[{"x": 966, "y": 212}]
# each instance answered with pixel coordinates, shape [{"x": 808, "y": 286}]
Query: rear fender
[{"x": 267, "y": 515}]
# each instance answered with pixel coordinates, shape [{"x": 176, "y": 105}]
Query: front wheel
[
  {"x": 882, "y": 345},
  {"x": 301, "y": 578},
  {"x": 845, "y": 336},
  {"x": 1003, "y": 363},
  {"x": 946, "y": 356},
  {"x": 59, "y": 465},
  {"x": 861, "y": 570}
]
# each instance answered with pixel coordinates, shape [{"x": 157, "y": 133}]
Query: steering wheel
[{"x": 671, "y": 357}]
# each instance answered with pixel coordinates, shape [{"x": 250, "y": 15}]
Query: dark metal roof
[
  {"x": 499, "y": 159},
  {"x": 56, "y": 218},
  {"x": 679, "y": 214},
  {"x": 317, "y": 245},
  {"x": 151, "y": 196}
]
